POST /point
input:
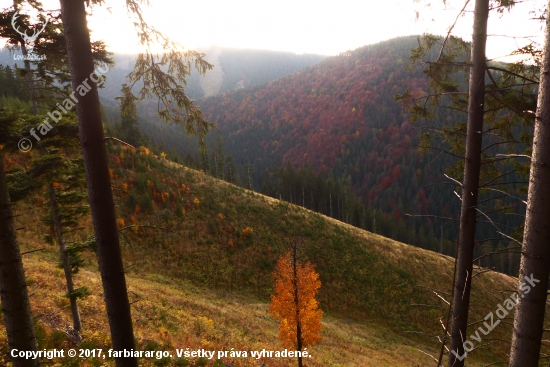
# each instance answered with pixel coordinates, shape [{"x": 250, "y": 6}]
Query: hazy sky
[{"x": 302, "y": 26}]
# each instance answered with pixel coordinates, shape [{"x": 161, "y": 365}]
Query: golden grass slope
[
  {"x": 383, "y": 300},
  {"x": 171, "y": 314}
]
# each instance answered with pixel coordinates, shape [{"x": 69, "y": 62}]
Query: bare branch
[
  {"x": 30, "y": 252},
  {"x": 514, "y": 155},
  {"x": 120, "y": 141},
  {"x": 451, "y": 29},
  {"x": 430, "y": 215},
  {"x": 441, "y": 150},
  {"x": 505, "y": 193},
  {"x": 429, "y": 355},
  {"x": 452, "y": 179},
  {"x": 497, "y": 252}
]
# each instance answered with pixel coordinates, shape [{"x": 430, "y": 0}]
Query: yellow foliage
[
  {"x": 291, "y": 310},
  {"x": 203, "y": 324},
  {"x": 246, "y": 232}
]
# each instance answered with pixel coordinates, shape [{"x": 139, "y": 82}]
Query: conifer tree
[
  {"x": 129, "y": 128},
  {"x": 294, "y": 303},
  {"x": 470, "y": 185},
  {"x": 535, "y": 255},
  {"x": 14, "y": 295},
  {"x": 247, "y": 172},
  {"x": 230, "y": 169},
  {"x": 50, "y": 75},
  {"x": 66, "y": 197},
  {"x": 167, "y": 86},
  {"x": 492, "y": 90}
]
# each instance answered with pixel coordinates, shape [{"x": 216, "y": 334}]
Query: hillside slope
[
  {"x": 171, "y": 314},
  {"x": 380, "y": 297},
  {"x": 340, "y": 118},
  {"x": 339, "y": 122}
]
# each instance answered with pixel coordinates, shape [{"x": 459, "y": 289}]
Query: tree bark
[
  {"x": 77, "y": 325},
  {"x": 299, "y": 340},
  {"x": 13, "y": 287},
  {"x": 92, "y": 139},
  {"x": 53, "y": 200},
  {"x": 535, "y": 256},
  {"x": 472, "y": 165}
]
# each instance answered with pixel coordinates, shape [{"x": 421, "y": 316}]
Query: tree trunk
[
  {"x": 64, "y": 258},
  {"x": 297, "y": 303},
  {"x": 535, "y": 256},
  {"x": 53, "y": 200},
  {"x": 77, "y": 36},
  {"x": 472, "y": 165},
  {"x": 13, "y": 287}
]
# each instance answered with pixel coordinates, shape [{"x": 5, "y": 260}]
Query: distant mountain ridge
[{"x": 234, "y": 69}]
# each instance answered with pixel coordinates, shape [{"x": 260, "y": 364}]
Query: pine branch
[
  {"x": 451, "y": 29},
  {"x": 505, "y": 250},
  {"x": 512, "y": 73}
]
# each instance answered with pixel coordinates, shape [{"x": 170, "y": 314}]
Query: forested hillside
[
  {"x": 384, "y": 207},
  {"x": 341, "y": 117},
  {"x": 333, "y": 139},
  {"x": 219, "y": 236},
  {"x": 339, "y": 120}
]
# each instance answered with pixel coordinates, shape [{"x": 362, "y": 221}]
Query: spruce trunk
[
  {"x": 53, "y": 200},
  {"x": 535, "y": 256},
  {"x": 92, "y": 139},
  {"x": 13, "y": 287},
  {"x": 472, "y": 165},
  {"x": 77, "y": 325}
]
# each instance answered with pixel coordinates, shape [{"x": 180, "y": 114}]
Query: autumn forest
[{"x": 218, "y": 206}]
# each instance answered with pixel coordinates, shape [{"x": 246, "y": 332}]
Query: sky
[{"x": 304, "y": 26}]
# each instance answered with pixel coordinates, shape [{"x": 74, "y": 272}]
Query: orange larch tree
[{"x": 294, "y": 303}]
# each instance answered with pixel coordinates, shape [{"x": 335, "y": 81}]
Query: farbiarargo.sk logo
[{"x": 29, "y": 40}]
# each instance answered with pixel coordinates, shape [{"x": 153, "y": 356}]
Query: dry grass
[
  {"x": 171, "y": 313},
  {"x": 178, "y": 315}
]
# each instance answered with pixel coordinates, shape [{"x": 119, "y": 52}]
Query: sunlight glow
[{"x": 303, "y": 26}]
